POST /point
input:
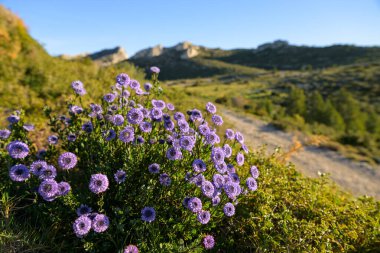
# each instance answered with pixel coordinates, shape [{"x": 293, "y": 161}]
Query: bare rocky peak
[
  {"x": 184, "y": 50},
  {"x": 109, "y": 56},
  {"x": 272, "y": 45}
]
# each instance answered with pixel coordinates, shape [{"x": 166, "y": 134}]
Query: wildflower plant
[{"x": 130, "y": 172}]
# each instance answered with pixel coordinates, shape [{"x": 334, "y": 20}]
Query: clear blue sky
[{"x": 75, "y": 26}]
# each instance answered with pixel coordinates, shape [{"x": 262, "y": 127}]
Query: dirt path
[{"x": 358, "y": 178}]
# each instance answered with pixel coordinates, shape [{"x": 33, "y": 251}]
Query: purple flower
[
  {"x": 118, "y": 120},
  {"x": 227, "y": 150},
  {"x": 37, "y": 166},
  {"x": 217, "y": 155},
  {"x": 199, "y": 166},
  {"x": 203, "y": 129},
  {"x": 245, "y": 148},
  {"x": 109, "y": 98},
  {"x": 197, "y": 180},
  {"x": 179, "y": 116},
  {"x": 127, "y": 134},
  {"x": 19, "y": 173},
  {"x": 231, "y": 189},
  {"x": 221, "y": 168},
  {"x": 203, "y": 217},
  {"x": 80, "y": 92},
  {"x": 18, "y": 149},
  {"x": 135, "y": 116},
  {"x": 211, "y": 108},
  {"x": 88, "y": 127},
  {"x": 96, "y": 110},
  {"x": 98, "y": 183},
  {"x": 28, "y": 127},
  {"x": 4, "y": 134},
  {"x": 239, "y": 137},
  {"x": 230, "y": 134},
  {"x": 208, "y": 242},
  {"x": 155, "y": 69},
  {"x": 251, "y": 184},
  {"x": 156, "y": 113},
  {"x": 207, "y": 189},
  {"x": 230, "y": 168},
  {"x": 187, "y": 142},
  {"x": 170, "y": 107},
  {"x": 131, "y": 249},
  {"x": 173, "y": 154},
  {"x": 169, "y": 125},
  {"x": 84, "y": 210},
  {"x": 196, "y": 115},
  {"x": 52, "y": 139},
  {"x": 63, "y": 188},
  {"x": 217, "y": 120},
  {"x": 120, "y": 176},
  {"x": 13, "y": 119},
  {"x": 254, "y": 172},
  {"x": 195, "y": 205},
  {"x": 240, "y": 159},
  {"x": 215, "y": 200},
  {"x": 67, "y": 160},
  {"x": 158, "y": 104},
  {"x": 77, "y": 85},
  {"x": 145, "y": 127},
  {"x": 71, "y": 137},
  {"x": 212, "y": 138},
  {"x": 76, "y": 109},
  {"x": 134, "y": 84},
  {"x": 49, "y": 172},
  {"x": 234, "y": 177},
  {"x": 147, "y": 86},
  {"x": 229, "y": 209},
  {"x": 48, "y": 189},
  {"x": 154, "y": 168},
  {"x": 183, "y": 126},
  {"x": 123, "y": 79},
  {"x": 218, "y": 180},
  {"x": 165, "y": 179},
  {"x": 100, "y": 223},
  {"x": 109, "y": 135},
  {"x": 82, "y": 226},
  {"x": 148, "y": 214}
]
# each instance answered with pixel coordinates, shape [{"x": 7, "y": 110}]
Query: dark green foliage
[{"x": 296, "y": 102}]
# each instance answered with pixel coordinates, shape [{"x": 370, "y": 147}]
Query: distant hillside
[{"x": 186, "y": 60}]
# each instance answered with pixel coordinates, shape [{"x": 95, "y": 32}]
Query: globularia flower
[
  {"x": 251, "y": 184},
  {"x": 145, "y": 127},
  {"x": 52, "y": 139},
  {"x": 110, "y": 97},
  {"x": 197, "y": 180},
  {"x": 120, "y": 176},
  {"x": 67, "y": 160},
  {"x": 217, "y": 155},
  {"x": 156, "y": 113},
  {"x": 148, "y": 214},
  {"x": 234, "y": 177},
  {"x": 4, "y": 134},
  {"x": 98, "y": 183},
  {"x": 71, "y": 137},
  {"x": 76, "y": 109},
  {"x": 28, "y": 127},
  {"x": 165, "y": 179},
  {"x": 100, "y": 223},
  {"x": 37, "y": 166},
  {"x": 227, "y": 150},
  {"x": 127, "y": 134},
  {"x": 123, "y": 79},
  {"x": 230, "y": 134},
  {"x": 19, "y": 173},
  {"x": 245, "y": 148},
  {"x": 229, "y": 209},
  {"x": 231, "y": 189},
  {"x": 77, "y": 85},
  {"x": 203, "y": 129},
  {"x": 82, "y": 225},
  {"x": 254, "y": 172},
  {"x": 170, "y": 107},
  {"x": 203, "y": 217},
  {"x": 218, "y": 180},
  {"x": 215, "y": 200},
  {"x": 199, "y": 166},
  {"x": 158, "y": 104},
  {"x": 207, "y": 189},
  {"x": 195, "y": 205},
  {"x": 109, "y": 135},
  {"x": 221, "y": 168},
  {"x": 217, "y": 120},
  {"x": 239, "y": 137},
  {"x": 169, "y": 125},
  {"x": 13, "y": 119},
  {"x": 230, "y": 168},
  {"x": 118, "y": 120},
  {"x": 183, "y": 126},
  {"x": 134, "y": 84},
  {"x": 131, "y": 249},
  {"x": 179, "y": 116},
  {"x": 88, "y": 127},
  {"x": 240, "y": 159},
  {"x": 80, "y": 91},
  {"x": 63, "y": 188},
  {"x": 48, "y": 189},
  {"x": 212, "y": 138},
  {"x": 211, "y": 108},
  {"x": 148, "y": 86},
  {"x": 155, "y": 69},
  {"x": 48, "y": 172},
  {"x": 135, "y": 116},
  {"x": 196, "y": 115},
  {"x": 208, "y": 242},
  {"x": 18, "y": 149},
  {"x": 187, "y": 142},
  {"x": 84, "y": 210},
  {"x": 173, "y": 154},
  {"x": 96, "y": 109},
  {"x": 154, "y": 168}
]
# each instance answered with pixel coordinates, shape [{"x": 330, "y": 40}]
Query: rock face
[
  {"x": 273, "y": 45},
  {"x": 184, "y": 50},
  {"x": 109, "y": 56}
]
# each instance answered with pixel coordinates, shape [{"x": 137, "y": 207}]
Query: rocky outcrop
[
  {"x": 272, "y": 45},
  {"x": 183, "y": 50},
  {"x": 109, "y": 56},
  {"x": 149, "y": 52}
]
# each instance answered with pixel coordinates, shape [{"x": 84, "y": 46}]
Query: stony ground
[{"x": 355, "y": 177}]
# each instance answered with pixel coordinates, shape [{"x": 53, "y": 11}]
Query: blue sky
[{"x": 75, "y": 26}]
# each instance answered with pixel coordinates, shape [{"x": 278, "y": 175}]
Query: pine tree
[
  {"x": 296, "y": 103},
  {"x": 316, "y": 108},
  {"x": 333, "y": 118}
]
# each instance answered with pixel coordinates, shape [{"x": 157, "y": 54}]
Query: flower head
[
  {"x": 48, "y": 189},
  {"x": 131, "y": 249},
  {"x": 135, "y": 116},
  {"x": 217, "y": 120},
  {"x": 229, "y": 209},
  {"x": 211, "y": 108},
  {"x": 195, "y": 205},
  {"x": 84, "y": 210},
  {"x": 49, "y": 172},
  {"x": 118, "y": 120},
  {"x": 203, "y": 217},
  {"x": 109, "y": 135},
  {"x": 165, "y": 179},
  {"x": 158, "y": 104},
  {"x": 127, "y": 134},
  {"x": 98, "y": 183},
  {"x": 155, "y": 69},
  {"x": 63, "y": 188},
  {"x": 173, "y": 154},
  {"x": 199, "y": 166},
  {"x": 4, "y": 134},
  {"x": 67, "y": 160},
  {"x": 251, "y": 184},
  {"x": 148, "y": 86},
  {"x": 134, "y": 84},
  {"x": 207, "y": 189},
  {"x": 37, "y": 166},
  {"x": 217, "y": 155},
  {"x": 154, "y": 168},
  {"x": 19, "y": 173},
  {"x": 109, "y": 97},
  {"x": 82, "y": 225},
  {"x": 208, "y": 242},
  {"x": 254, "y": 172},
  {"x": 120, "y": 176},
  {"x": 100, "y": 223},
  {"x": 18, "y": 149},
  {"x": 240, "y": 159},
  {"x": 123, "y": 79},
  {"x": 148, "y": 214}
]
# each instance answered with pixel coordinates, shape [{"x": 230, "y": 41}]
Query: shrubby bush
[{"x": 130, "y": 172}]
